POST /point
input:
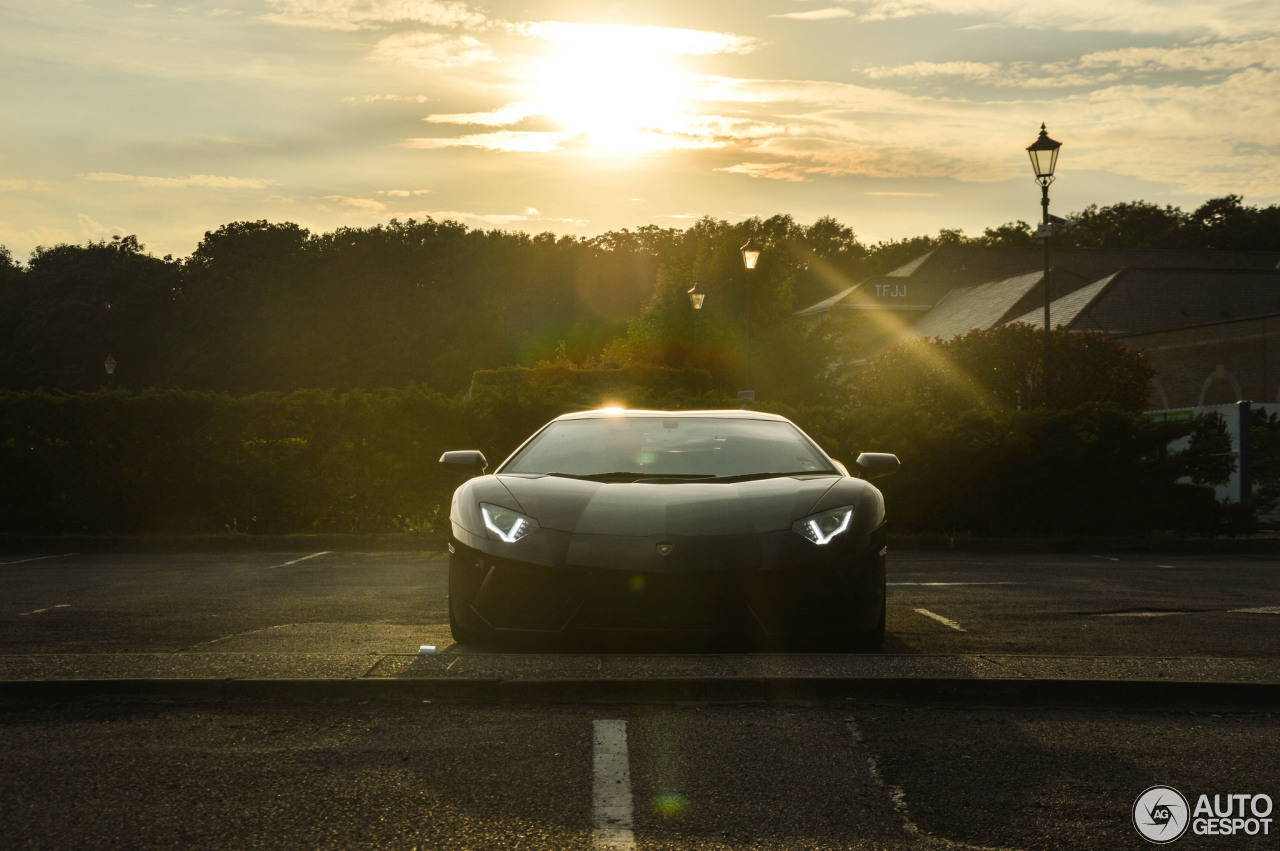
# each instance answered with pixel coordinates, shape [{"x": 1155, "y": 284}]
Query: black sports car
[{"x": 639, "y": 523}]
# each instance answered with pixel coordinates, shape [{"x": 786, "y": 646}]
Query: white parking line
[
  {"x": 296, "y": 560},
  {"x": 940, "y": 619},
  {"x": 37, "y": 558},
  {"x": 896, "y": 794},
  {"x": 42, "y": 611},
  {"x": 611, "y": 793}
]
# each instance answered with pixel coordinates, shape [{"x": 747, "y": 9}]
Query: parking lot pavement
[
  {"x": 362, "y": 617},
  {"x": 131, "y": 772},
  {"x": 281, "y": 700}
]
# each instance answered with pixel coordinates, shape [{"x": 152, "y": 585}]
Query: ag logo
[{"x": 1161, "y": 814}]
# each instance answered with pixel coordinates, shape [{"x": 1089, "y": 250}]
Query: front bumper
[{"x": 777, "y": 584}]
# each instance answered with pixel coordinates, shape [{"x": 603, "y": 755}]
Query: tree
[
  {"x": 74, "y": 305},
  {"x": 1003, "y": 368},
  {"x": 1127, "y": 225}
]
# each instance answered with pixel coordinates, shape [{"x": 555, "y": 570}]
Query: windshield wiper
[{"x": 624, "y": 476}]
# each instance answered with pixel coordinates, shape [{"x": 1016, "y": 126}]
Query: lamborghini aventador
[{"x": 617, "y": 524}]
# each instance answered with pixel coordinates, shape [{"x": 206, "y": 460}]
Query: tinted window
[{"x": 684, "y": 446}]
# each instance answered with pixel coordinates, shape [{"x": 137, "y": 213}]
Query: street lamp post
[
  {"x": 1044, "y": 158},
  {"x": 696, "y": 297},
  {"x": 750, "y": 256}
]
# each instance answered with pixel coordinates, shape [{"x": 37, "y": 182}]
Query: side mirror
[
  {"x": 473, "y": 459},
  {"x": 873, "y": 465}
]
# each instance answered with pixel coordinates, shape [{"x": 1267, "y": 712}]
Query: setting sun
[{"x": 612, "y": 90}]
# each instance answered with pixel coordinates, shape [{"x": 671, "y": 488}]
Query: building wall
[{"x": 1213, "y": 364}]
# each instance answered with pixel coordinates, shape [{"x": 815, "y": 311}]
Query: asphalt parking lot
[
  {"x": 364, "y": 615},
  {"x": 279, "y": 699}
]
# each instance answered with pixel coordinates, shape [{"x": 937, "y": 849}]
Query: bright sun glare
[{"x": 611, "y": 88}]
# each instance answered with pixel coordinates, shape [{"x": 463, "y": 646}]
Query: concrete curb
[{"x": 1147, "y": 694}]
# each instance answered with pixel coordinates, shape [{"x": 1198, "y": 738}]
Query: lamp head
[{"x": 1044, "y": 156}]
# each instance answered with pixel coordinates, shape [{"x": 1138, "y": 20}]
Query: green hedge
[{"x": 317, "y": 461}]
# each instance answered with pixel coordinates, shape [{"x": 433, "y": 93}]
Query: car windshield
[{"x": 629, "y": 448}]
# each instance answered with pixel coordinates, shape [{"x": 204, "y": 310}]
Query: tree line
[{"x": 261, "y": 306}]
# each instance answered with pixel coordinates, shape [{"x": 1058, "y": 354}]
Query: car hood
[{"x": 637, "y": 509}]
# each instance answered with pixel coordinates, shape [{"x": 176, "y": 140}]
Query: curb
[{"x": 1148, "y": 694}]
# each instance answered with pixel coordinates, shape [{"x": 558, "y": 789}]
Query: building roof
[
  {"x": 1065, "y": 310},
  {"x": 982, "y": 306},
  {"x": 1143, "y": 301},
  {"x": 921, "y": 285}
]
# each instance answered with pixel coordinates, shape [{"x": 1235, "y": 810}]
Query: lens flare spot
[
  {"x": 638, "y": 583},
  {"x": 671, "y": 805}
]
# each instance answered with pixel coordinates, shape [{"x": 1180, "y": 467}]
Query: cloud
[
  {"x": 817, "y": 14},
  {"x": 968, "y": 70},
  {"x": 367, "y": 205},
  {"x": 386, "y": 98},
  {"x": 768, "y": 171},
  {"x": 512, "y": 113},
  {"x": 206, "y": 181},
  {"x": 497, "y": 219},
  {"x": 19, "y": 185},
  {"x": 672, "y": 40},
  {"x": 508, "y": 141},
  {"x": 1216, "y": 56},
  {"x": 368, "y": 14},
  {"x": 1207, "y": 139},
  {"x": 1099, "y": 69},
  {"x": 1238, "y": 18},
  {"x": 91, "y": 229},
  {"x": 432, "y": 50},
  {"x": 403, "y": 193}
]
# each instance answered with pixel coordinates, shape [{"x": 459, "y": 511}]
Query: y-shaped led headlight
[
  {"x": 821, "y": 528},
  {"x": 508, "y": 525}
]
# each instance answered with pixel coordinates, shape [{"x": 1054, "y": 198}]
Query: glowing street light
[
  {"x": 750, "y": 257},
  {"x": 696, "y": 297}
]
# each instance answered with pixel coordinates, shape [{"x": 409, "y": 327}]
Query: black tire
[
  {"x": 872, "y": 641},
  {"x": 466, "y": 626},
  {"x": 461, "y": 634}
]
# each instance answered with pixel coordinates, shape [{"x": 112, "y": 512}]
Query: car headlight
[
  {"x": 821, "y": 528},
  {"x": 508, "y": 525}
]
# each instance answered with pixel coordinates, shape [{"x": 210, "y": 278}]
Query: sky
[{"x": 897, "y": 117}]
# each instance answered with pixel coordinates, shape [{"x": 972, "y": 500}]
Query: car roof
[{"x": 609, "y": 413}]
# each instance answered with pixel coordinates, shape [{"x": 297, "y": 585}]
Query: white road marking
[
  {"x": 945, "y": 584},
  {"x": 896, "y": 794},
  {"x": 42, "y": 611},
  {"x": 37, "y": 558},
  {"x": 1106, "y": 558},
  {"x": 611, "y": 793},
  {"x": 296, "y": 560},
  {"x": 1167, "y": 566},
  {"x": 940, "y": 619},
  {"x": 1259, "y": 610}
]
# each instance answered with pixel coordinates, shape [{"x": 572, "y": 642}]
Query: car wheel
[{"x": 873, "y": 640}]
